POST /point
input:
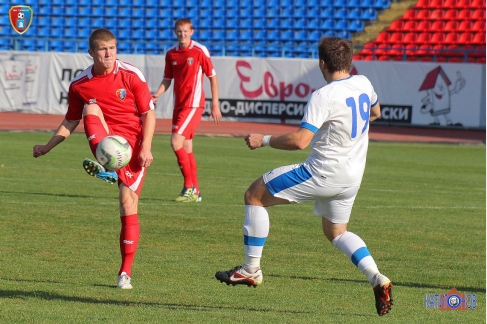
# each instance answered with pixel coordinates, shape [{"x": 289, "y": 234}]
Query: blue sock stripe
[
  {"x": 359, "y": 255},
  {"x": 254, "y": 241}
]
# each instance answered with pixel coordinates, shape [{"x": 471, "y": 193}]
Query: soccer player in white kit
[{"x": 336, "y": 125}]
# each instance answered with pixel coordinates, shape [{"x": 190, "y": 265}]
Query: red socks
[
  {"x": 185, "y": 166},
  {"x": 194, "y": 176},
  {"x": 129, "y": 239},
  {"x": 94, "y": 131}
]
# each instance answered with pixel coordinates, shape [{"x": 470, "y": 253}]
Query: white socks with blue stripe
[
  {"x": 255, "y": 230},
  {"x": 354, "y": 248}
]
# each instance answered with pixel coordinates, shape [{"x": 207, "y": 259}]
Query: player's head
[
  {"x": 183, "y": 28},
  {"x": 183, "y": 21},
  {"x": 100, "y": 34},
  {"x": 336, "y": 53},
  {"x": 103, "y": 49}
]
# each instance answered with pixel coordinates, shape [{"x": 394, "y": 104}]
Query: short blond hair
[
  {"x": 183, "y": 21},
  {"x": 100, "y": 34}
]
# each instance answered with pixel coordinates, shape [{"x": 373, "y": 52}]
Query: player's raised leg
[
  {"x": 96, "y": 129},
  {"x": 95, "y": 126},
  {"x": 95, "y": 169}
]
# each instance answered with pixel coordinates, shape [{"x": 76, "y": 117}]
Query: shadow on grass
[
  {"x": 165, "y": 200},
  {"x": 462, "y": 289},
  {"x": 50, "y": 296},
  {"x": 51, "y": 194}
]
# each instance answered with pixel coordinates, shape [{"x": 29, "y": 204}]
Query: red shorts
[
  {"x": 185, "y": 121},
  {"x": 133, "y": 175}
]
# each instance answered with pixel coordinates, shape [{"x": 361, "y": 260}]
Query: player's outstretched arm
[
  {"x": 298, "y": 140},
  {"x": 64, "y": 130}
]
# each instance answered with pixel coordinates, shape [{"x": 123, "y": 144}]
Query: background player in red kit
[
  {"x": 112, "y": 98},
  {"x": 186, "y": 63}
]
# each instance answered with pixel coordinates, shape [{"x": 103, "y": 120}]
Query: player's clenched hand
[
  {"x": 39, "y": 150},
  {"x": 254, "y": 141},
  {"x": 154, "y": 99}
]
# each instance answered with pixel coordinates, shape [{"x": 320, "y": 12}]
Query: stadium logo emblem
[
  {"x": 121, "y": 94},
  {"x": 454, "y": 301},
  {"x": 20, "y": 18}
]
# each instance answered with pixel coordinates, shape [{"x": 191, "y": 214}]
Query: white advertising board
[{"x": 264, "y": 90}]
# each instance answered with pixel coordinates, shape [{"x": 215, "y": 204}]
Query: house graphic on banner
[{"x": 437, "y": 101}]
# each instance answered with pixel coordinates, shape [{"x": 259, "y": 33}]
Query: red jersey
[
  {"x": 186, "y": 67},
  {"x": 123, "y": 96}
]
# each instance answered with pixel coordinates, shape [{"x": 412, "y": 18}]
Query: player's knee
[
  {"x": 332, "y": 230},
  {"x": 252, "y": 197},
  {"x": 248, "y": 197},
  {"x": 330, "y": 236},
  {"x": 177, "y": 141},
  {"x": 176, "y": 146},
  {"x": 127, "y": 208},
  {"x": 257, "y": 193},
  {"x": 128, "y": 204}
]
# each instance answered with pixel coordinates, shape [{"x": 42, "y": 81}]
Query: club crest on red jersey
[
  {"x": 190, "y": 61},
  {"x": 20, "y": 18},
  {"x": 121, "y": 94}
]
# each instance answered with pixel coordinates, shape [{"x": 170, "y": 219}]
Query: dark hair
[
  {"x": 183, "y": 21},
  {"x": 102, "y": 34},
  {"x": 336, "y": 52}
]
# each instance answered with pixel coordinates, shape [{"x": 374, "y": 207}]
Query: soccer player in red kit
[
  {"x": 113, "y": 98},
  {"x": 187, "y": 62}
]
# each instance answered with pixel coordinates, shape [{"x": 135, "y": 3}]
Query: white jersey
[{"x": 338, "y": 114}]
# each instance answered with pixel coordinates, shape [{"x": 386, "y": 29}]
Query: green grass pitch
[{"x": 421, "y": 211}]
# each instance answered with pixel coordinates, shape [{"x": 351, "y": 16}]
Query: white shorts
[{"x": 297, "y": 184}]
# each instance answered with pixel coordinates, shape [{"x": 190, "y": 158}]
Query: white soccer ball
[
  {"x": 20, "y": 15},
  {"x": 113, "y": 152}
]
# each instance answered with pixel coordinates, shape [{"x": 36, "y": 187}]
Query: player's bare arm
[
  {"x": 64, "y": 130},
  {"x": 298, "y": 140},
  {"x": 162, "y": 88},
  {"x": 148, "y": 126},
  {"x": 215, "y": 105},
  {"x": 374, "y": 112}
]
